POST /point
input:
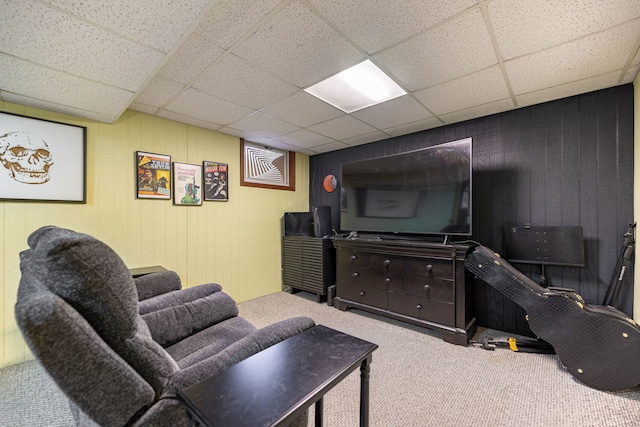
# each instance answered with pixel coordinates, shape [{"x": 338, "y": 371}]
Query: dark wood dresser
[{"x": 423, "y": 283}]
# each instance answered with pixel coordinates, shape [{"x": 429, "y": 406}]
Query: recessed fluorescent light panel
[{"x": 358, "y": 87}]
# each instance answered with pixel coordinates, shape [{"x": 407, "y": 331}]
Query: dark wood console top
[{"x": 399, "y": 245}]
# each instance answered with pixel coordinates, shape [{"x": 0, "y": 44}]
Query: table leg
[
  {"x": 364, "y": 392},
  {"x": 318, "y": 414}
]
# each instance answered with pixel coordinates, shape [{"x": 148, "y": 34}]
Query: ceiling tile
[
  {"x": 568, "y": 89},
  {"x": 304, "y": 139},
  {"x": 159, "y": 91},
  {"x": 454, "y": 49},
  {"x": 299, "y": 47},
  {"x": 263, "y": 126},
  {"x": 59, "y": 108},
  {"x": 37, "y": 82},
  {"x": 631, "y": 74},
  {"x": 76, "y": 47},
  {"x": 190, "y": 60},
  {"x": 171, "y": 115},
  {"x": 157, "y": 23},
  {"x": 383, "y": 23},
  {"x": 236, "y": 81},
  {"x": 208, "y": 108},
  {"x": 219, "y": 64},
  {"x": 365, "y": 139},
  {"x": 302, "y": 109},
  {"x": 523, "y": 27},
  {"x": 418, "y": 126},
  {"x": 230, "y": 20},
  {"x": 342, "y": 127},
  {"x": 479, "y": 111},
  {"x": 143, "y": 108},
  {"x": 597, "y": 54},
  {"x": 398, "y": 111},
  {"x": 478, "y": 88},
  {"x": 330, "y": 147},
  {"x": 275, "y": 143}
]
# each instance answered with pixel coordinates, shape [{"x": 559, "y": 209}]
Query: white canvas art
[{"x": 41, "y": 160}]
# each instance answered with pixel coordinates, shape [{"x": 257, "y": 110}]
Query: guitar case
[{"x": 599, "y": 345}]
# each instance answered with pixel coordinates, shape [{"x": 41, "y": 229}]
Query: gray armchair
[{"x": 120, "y": 348}]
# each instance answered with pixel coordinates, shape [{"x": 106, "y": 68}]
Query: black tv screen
[{"x": 426, "y": 191}]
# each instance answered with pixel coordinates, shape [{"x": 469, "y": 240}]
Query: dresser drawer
[
  {"x": 431, "y": 268},
  {"x": 388, "y": 280},
  {"x": 363, "y": 294},
  {"x": 429, "y": 287},
  {"x": 355, "y": 275},
  {"x": 386, "y": 263},
  {"x": 353, "y": 258},
  {"x": 422, "y": 308}
]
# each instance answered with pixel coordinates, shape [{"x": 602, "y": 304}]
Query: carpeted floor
[{"x": 416, "y": 380}]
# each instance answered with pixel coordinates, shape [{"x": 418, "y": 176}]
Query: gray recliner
[{"x": 120, "y": 348}]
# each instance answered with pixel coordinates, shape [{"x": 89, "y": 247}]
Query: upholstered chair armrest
[
  {"x": 190, "y": 312},
  {"x": 248, "y": 346},
  {"x": 178, "y": 297},
  {"x": 158, "y": 283}
]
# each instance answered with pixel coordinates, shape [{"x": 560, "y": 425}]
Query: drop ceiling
[{"x": 241, "y": 66}]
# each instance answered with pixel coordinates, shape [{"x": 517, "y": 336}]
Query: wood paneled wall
[
  {"x": 566, "y": 162},
  {"x": 235, "y": 243}
]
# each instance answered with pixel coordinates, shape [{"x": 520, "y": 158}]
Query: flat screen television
[{"x": 423, "y": 192}]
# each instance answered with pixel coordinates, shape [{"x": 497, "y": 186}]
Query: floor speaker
[{"x": 322, "y": 221}]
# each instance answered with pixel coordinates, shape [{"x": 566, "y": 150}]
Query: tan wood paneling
[{"x": 234, "y": 243}]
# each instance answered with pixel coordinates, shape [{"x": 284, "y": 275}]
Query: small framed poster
[
  {"x": 153, "y": 176},
  {"x": 216, "y": 181},
  {"x": 187, "y": 184},
  {"x": 42, "y": 160}
]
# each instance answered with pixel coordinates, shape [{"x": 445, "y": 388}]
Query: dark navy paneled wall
[{"x": 566, "y": 162}]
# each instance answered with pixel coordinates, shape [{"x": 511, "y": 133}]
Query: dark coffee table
[{"x": 278, "y": 384}]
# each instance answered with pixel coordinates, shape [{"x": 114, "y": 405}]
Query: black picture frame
[
  {"x": 153, "y": 175},
  {"x": 215, "y": 181},
  {"x": 42, "y": 160}
]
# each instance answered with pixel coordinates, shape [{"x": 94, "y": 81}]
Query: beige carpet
[
  {"x": 416, "y": 380},
  {"x": 419, "y": 380}
]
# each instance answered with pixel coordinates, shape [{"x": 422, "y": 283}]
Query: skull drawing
[{"x": 26, "y": 156}]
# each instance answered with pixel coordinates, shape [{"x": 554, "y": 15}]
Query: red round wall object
[{"x": 330, "y": 183}]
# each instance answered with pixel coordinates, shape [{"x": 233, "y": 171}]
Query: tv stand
[{"x": 415, "y": 281}]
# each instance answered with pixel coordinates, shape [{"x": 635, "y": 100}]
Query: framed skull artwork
[{"x": 42, "y": 160}]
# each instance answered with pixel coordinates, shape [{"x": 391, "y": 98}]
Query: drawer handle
[
  {"x": 387, "y": 280},
  {"x": 361, "y": 293},
  {"x": 427, "y": 287},
  {"x": 429, "y": 267},
  {"x": 355, "y": 274},
  {"x": 387, "y": 262},
  {"x": 353, "y": 257},
  {"x": 419, "y": 307}
]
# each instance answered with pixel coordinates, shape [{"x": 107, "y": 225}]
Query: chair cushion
[
  {"x": 209, "y": 341},
  {"x": 177, "y": 322},
  {"x": 178, "y": 297},
  {"x": 87, "y": 274},
  {"x": 158, "y": 283}
]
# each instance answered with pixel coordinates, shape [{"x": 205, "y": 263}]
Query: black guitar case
[{"x": 599, "y": 345}]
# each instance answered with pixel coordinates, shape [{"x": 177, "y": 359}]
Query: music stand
[{"x": 560, "y": 245}]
